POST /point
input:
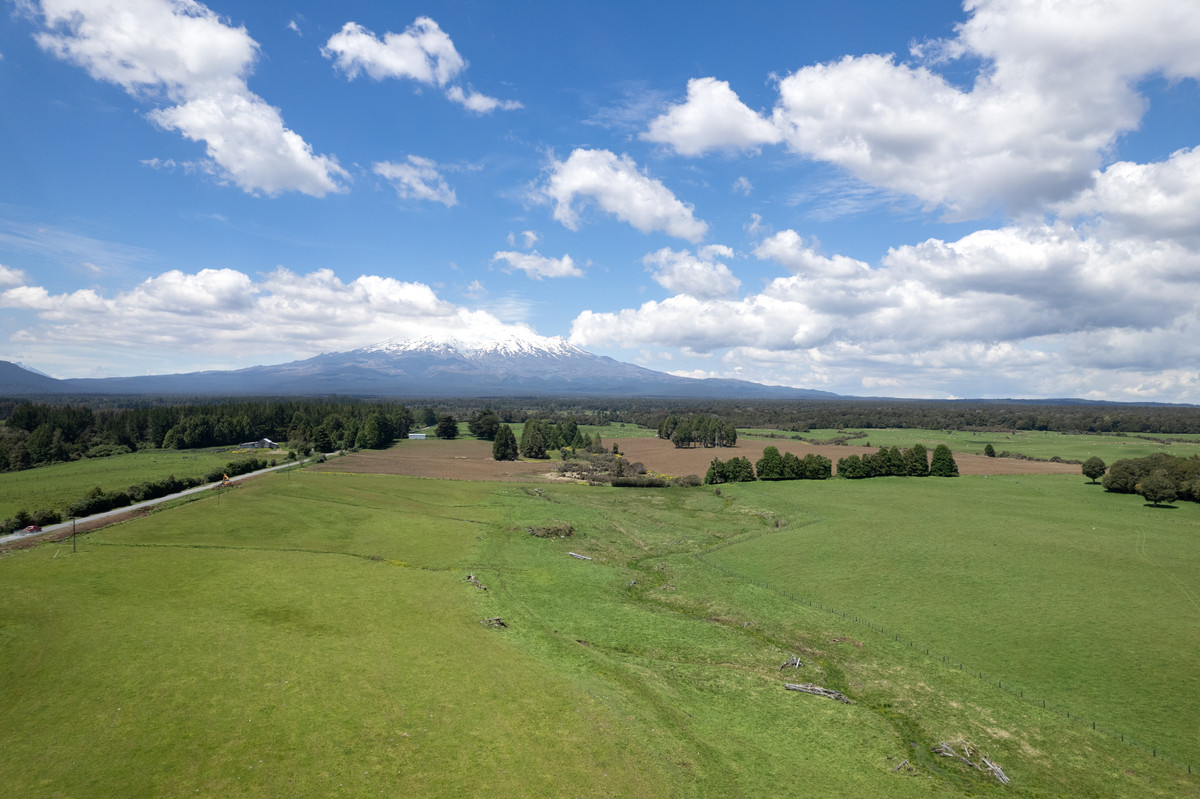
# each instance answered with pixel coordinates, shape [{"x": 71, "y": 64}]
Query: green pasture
[
  {"x": 312, "y": 634},
  {"x": 1088, "y": 600},
  {"x": 1036, "y": 443},
  {"x": 56, "y": 486}
]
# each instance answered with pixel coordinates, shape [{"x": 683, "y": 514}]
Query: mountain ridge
[{"x": 467, "y": 365}]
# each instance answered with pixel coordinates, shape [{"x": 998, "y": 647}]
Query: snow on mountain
[{"x": 466, "y": 345}]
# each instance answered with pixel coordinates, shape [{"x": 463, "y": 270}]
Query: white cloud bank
[
  {"x": 1039, "y": 309},
  {"x": 615, "y": 184},
  {"x": 279, "y": 316},
  {"x": 182, "y": 52},
  {"x": 423, "y": 53},
  {"x": 1057, "y": 86}
]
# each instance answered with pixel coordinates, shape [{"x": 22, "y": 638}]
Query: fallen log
[
  {"x": 473, "y": 580},
  {"x": 577, "y": 555},
  {"x": 951, "y": 749},
  {"x": 817, "y": 690},
  {"x": 793, "y": 661}
]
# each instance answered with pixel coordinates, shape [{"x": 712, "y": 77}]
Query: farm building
[
  {"x": 417, "y": 436},
  {"x": 262, "y": 443}
]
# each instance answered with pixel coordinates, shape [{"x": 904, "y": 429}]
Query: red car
[{"x": 33, "y": 528}]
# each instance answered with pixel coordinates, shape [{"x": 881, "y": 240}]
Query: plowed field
[
  {"x": 470, "y": 459},
  {"x": 662, "y": 456}
]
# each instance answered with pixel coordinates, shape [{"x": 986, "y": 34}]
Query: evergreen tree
[
  {"x": 942, "y": 464},
  {"x": 485, "y": 424},
  {"x": 770, "y": 465},
  {"x": 990, "y": 451},
  {"x": 504, "y": 447},
  {"x": 533, "y": 441},
  {"x": 447, "y": 427},
  {"x": 916, "y": 461}
]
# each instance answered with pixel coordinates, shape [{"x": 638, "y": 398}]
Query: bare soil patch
[
  {"x": 464, "y": 459},
  {"x": 663, "y": 457}
]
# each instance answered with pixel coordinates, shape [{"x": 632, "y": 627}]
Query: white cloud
[
  {"x": 538, "y": 266},
  {"x": 418, "y": 179},
  {"x": 423, "y": 52},
  {"x": 225, "y": 316},
  {"x": 1160, "y": 199},
  {"x": 1057, "y": 85},
  {"x": 788, "y": 248},
  {"x": 618, "y": 187},
  {"x": 711, "y": 118},
  {"x": 479, "y": 103},
  {"x": 11, "y": 277},
  {"x": 181, "y": 51},
  {"x": 743, "y": 186},
  {"x": 1045, "y": 310},
  {"x": 700, "y": 275}
]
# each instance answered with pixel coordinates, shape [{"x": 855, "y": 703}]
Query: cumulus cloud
[
  {"x": 1057, "y": 85},
  {"x": 701, "y": 275},
  {"x": 423, "y": 52},
  {"x": 244, "y": 319},
  {"x": 618, "y": 187},
  {"x": 538, "y": 266},
  {"x": 417, "y": 179},
  {"x": 711, "y": 118},
  {"x": 1159, "y": 200},
  {"x": 10, "y": 277},
  {"x": 181, "y": 52},
  {"x": 787, "y": 247},
  {"x": 1037, "y": 306}
]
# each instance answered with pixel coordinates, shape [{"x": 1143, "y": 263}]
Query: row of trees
[
  {"x": 1159, "y": 478},
  {"x": 688, "y": 431},
  {"x": 37, "y": 434},
  {"x": 889, "y": 461},
  {"x": 773, "y": 466},
  {"x": 894, "y": 462}
]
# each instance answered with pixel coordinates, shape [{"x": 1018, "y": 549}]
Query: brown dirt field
[
  {"x": 466, "y": 459},
  {"x": 663, "y": 457}
]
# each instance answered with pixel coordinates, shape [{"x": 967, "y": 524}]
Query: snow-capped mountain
[
  {"x": 509, "y": 344},
  {"x": 463, "y": 365}
]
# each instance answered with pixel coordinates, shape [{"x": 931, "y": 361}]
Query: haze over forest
[{"x": 986, "y": 199}]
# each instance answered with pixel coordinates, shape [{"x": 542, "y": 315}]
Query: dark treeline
[
  {"x": 803, "y": 415},
  {"x": 36, "y": 434}
]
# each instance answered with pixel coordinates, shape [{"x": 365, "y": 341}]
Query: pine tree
[
  {"x": 942, "y": 464},
  {"x": 504, "y": 447}
]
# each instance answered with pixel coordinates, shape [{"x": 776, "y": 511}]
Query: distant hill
[{"x": 525, "y": 365}]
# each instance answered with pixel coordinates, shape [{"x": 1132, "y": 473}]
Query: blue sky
[{"x": 872, "y": 198}]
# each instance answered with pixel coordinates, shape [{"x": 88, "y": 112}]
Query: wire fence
[{"x": 1029, "y": 696}]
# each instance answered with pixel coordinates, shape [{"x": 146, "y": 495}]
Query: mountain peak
[{"x": 468, "y": 344}]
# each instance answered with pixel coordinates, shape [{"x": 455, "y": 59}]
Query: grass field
[
  {"x": 311, "y": 634},
  {"x": 54, "y": 487}
]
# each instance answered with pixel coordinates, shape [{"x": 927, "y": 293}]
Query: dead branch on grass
[
  {"x": 817, "y": 690},
  {"x": 965, "y": 751}
]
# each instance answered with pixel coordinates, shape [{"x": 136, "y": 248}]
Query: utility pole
[{"x": 73, "y": 549}]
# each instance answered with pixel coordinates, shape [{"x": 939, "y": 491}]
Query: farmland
[{"x": 311, "y": 634}]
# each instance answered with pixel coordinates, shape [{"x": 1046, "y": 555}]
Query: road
[{"x": 50, "y": 528}]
